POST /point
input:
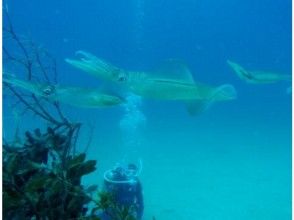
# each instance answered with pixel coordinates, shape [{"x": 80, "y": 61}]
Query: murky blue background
[{"x": 231, "y": 162}]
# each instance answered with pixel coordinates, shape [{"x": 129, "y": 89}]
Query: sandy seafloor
[
  {"x": 231, "y": 162},
  {"x": 227, "y": 163},
  {"x": 211, "y": 167}
]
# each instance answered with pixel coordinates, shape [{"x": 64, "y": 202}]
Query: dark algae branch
[{"x": 43, "y": 171}]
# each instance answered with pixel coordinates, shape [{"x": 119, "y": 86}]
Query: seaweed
[
  {"x": 42, "y": 174},
  {"x": 38, "y": 183},
  {"x": 108, "y": 205}
]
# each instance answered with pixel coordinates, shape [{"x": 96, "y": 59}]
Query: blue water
[{"x": 231, "y": 162}]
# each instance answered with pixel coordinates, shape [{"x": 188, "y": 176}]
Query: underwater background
[{"x": 232, "y": 161}]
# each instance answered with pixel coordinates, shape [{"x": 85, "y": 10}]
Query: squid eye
[
  {"x": 122, "y": 78},
  {"x": 48, "y": 90},
  {"x": 247, "y": 74}
]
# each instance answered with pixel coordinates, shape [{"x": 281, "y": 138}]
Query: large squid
[
  {"x": 172, "y": 81},
  {"x": 257, "y": 77},
  {"x": 75, "y": 96}
]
